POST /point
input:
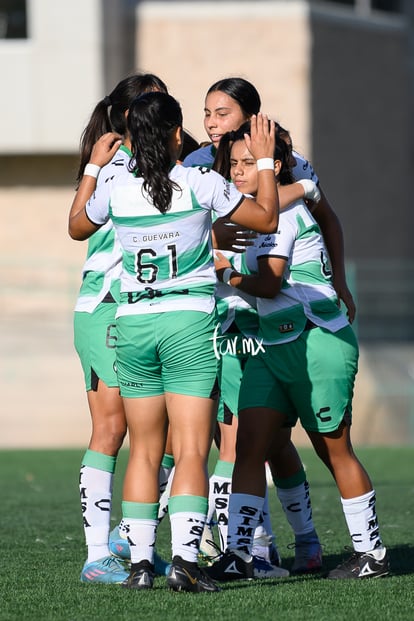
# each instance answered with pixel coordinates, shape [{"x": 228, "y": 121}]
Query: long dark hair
[
  {"x": 241, "y": 91},
  {"x": 109, "y": 113},
  {"x": 282, "y": 152},
  {"x": 152, "y": 119}
]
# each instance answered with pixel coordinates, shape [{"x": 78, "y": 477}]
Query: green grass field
[{"x": 43, "y": 550}]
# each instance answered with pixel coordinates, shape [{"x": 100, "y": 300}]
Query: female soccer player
[
  {"x": 167, "y": 370},
  {"x": 95, "y": 339},
  {"x": 305, "y": 371},
  {"x": 229, "y": 103}
]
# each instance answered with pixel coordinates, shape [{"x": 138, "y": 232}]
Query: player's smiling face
[
  {"x": 243, "y": 168},
  {"x": 222, "y": 114}
]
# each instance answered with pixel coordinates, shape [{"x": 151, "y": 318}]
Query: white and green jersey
[
  {"x": 234, "y": 306},
  {"x": 102, "y": 268},
  {"x": 167, "y": 258},
  {"x": 306, "y": 292}
]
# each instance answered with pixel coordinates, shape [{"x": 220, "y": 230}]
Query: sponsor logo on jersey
[
  {"x": 286, "y": 327},
  {"x": 324, "y": 419},
  {"x": 132, "y": 384},
  {"x": 268, "y": 242}
]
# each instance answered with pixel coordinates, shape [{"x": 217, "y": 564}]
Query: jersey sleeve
[
  {"x": 214, "y": 192},
  {"x": 303, "y": 169},
  {"x": 97, "y": 207},
  {"x": 278, "y": 244}
]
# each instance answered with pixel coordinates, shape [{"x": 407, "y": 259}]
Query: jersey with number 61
[{"x": 167, "y": 257}]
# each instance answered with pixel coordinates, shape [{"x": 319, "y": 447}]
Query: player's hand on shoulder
[
  {"x": 230, "y": 236},
  {"x": 105, "y": 148}
]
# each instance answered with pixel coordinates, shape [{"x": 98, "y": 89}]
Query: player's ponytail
[
  {"x": 109, "y": 114},
  {"x": 152, "y": 120}
]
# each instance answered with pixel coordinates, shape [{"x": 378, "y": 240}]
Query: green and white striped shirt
[
  {"x": 102, "y": 269},
  {"x": 307, "y": 292},
  {"x": 167, "y": 258}
]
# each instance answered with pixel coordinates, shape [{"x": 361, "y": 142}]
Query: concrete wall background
[
  {"x": 193, "y": 45},
  {"x": 50, "y": 80}
]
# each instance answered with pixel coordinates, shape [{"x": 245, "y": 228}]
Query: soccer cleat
[
  {"x": 192, "y": 580},
  {"x": 264, "y": 569},
  {"x": 119, "y": 546},
  {"x": 140, "y": 579},
  {"x": 274, "y": 556},
  {"x": 363, "y": 565},
  {"x": 308, "y": 555},
  {"x": 107, "y": 570},
  {"x": 208, "y": 547},
  {"x": 231, "y": 566}
]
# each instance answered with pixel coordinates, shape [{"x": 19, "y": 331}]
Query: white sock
[
  {"x": 187, "y": 516},
  {"x": 140, "y": 522},
  {"x": 219, "y": 494},
  {"x": 95, "y": 488},
  {"x": 244, "y": 515},
  {"x": 263, "y": 536},
  {"x": 122, "y": 529},
  {"x": 362, "y": 522},
  {"x": 297, "y": 507}
]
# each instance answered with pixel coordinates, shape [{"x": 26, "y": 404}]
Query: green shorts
[
  {"x": 310, "y": 379},
  {"x": 233, "y": 359},
  {"x": 95, "y": 342},
  {"x": 167, "y": 352}
]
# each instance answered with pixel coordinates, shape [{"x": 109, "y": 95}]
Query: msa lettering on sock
[
  {"x": 197, "y": 530},
  {"x": 125, "y": 529},
  {"x": 248, "y": 512},
  {"x": 103, "y": 504},
  {"x": 373, "y": 527},
  {"x": 244, "y": 534},
  {"x": 130, "y": 542},
  {"x": 222, "y": 488},
  {"x": 245, "y": 530},
  {"x": 307, "y": 497},
  {"x": 222, "y": 519}
]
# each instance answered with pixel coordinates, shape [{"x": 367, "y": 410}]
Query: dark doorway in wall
[{"x": 13, "y": 19}]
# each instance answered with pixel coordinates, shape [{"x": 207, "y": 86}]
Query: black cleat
[
  {"x": 231, "y": 567},
  {"x": 190, "y": 578},
  {"x": 362, "y": 565},
  {"x": 141, "y": 577}
]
